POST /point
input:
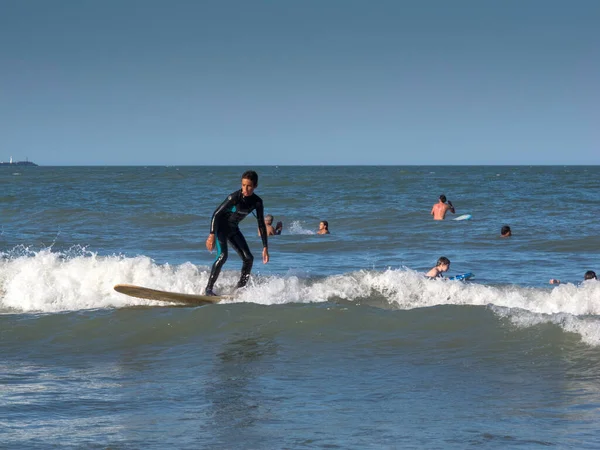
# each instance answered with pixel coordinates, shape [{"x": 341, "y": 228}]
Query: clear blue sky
[{"x": 186, "y": 82}]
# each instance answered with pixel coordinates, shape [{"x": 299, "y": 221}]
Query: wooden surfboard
[{"x": 165, "y": 296}]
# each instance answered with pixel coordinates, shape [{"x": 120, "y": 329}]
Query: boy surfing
[{"x": 224, "y": 228}]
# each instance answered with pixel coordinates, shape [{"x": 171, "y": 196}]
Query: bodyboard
[
  {"x": 165, "y": 296},
  {"x": 462, "y": 276},
  {"x": 463, "y": 217}
]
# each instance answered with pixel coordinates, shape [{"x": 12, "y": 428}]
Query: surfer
[
  {"x": 272, "y": 231},
  {"x": 589, "y": 275},
  {"x": 505, "y": 231},
  {"x": 224, "y": 228},
  {"x": 442, "y": 265},
  {"x": 440, "y": 209},
  {"x": 323, "y": 227}
]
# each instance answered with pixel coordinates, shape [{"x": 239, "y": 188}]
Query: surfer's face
[{"x": 247, "y": 187}]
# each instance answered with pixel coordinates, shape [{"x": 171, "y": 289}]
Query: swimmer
[
  {"x": 440, "y": 209},
  {"x": 505, "y": 231},
  {"x": 323, "y": 227},
  {"x": 589, "y": 275},
  {"x": 443, "y": 264},
  {"x": 272, "y": 231}
]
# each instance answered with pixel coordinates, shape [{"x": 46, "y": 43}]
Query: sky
[{"x": 304, "y": 82}]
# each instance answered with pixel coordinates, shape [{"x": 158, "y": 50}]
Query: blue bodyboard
[{"x": 462, "y": 276}]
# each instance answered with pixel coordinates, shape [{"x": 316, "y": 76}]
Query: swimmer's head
[
  {"x": 590, "y": 275},
  {"x": 269, "y": 219},
  {"x": 505, "y": 231},
  {"x": 443, "y": 198},
  {"x": 443, "y": 261}
]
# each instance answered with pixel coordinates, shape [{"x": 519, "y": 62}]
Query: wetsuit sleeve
[
  {"x": 262, "y": 229},
  {"x": 221, "y": 209}
]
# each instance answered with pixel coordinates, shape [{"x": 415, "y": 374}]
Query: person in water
[
  {"x": 589, "y": 275},
  {"x": 442, "y": 265},
  {"x": 505, "y": 231},
  {"x": 272, "y": 231},
  {"x": 440, "y": 209},
  {"x": 323, "y": 227},
  {"x": 224, "y": 228}
]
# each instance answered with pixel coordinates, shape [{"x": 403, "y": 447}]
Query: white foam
[
  {"x": 48, "y": 281},
  {"x": 587, "y": 327},
  {"x": 297, "y": 227}
]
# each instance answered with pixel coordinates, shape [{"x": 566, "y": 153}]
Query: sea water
[{"x": 338, "y": 342}]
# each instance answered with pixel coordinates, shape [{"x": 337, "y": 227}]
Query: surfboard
[
  {"x": 165, "y": 296},
  {"x": 462, "y": 276},
  {"x": 463, "y": 217}
]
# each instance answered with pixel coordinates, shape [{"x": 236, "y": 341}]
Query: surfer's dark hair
[
  {"x": 505, "y": 230},
  {"x": 443, "y": 260},
  {"x": 252, "y": 176},
  {"x": 590, "y": 275},
  {"x": 443, "y": 198},
  {"x": 326, "y": 224}
]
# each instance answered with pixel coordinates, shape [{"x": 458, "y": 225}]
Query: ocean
[{"x": 340, "y": 341}]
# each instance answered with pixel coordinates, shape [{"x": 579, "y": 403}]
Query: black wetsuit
[{"x": 224, "y": 224}]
